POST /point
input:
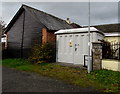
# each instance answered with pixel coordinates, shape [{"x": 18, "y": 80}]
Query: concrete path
[
  {"x": 71, "y": 65},
  {"x": 20, "y": 81}
]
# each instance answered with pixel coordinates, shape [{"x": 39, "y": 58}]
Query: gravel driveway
[{"x": 20, "y": 81}]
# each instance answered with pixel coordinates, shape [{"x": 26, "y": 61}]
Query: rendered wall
[
  {"x": 112, "y": 39},
  {"x": 111, "y": 64}
]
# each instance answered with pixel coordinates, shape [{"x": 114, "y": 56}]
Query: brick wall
[
  {"x": 48, "y": 36},
  {"x": 44, "y": 35}
]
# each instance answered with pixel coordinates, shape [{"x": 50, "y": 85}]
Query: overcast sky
[{"x": 101, "y": 12}]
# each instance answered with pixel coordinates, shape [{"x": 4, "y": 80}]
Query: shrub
[
  {"x": 106, "y": 50},
  {"x": 42, "y": 53}
]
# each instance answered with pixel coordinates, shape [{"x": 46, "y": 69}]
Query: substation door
[
  {"x": 65, "y": 48},
  {"x": 70, "y": 48},
  {"x": 78, "y": 49}
]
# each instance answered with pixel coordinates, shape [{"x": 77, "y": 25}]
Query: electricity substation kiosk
[{"x": 72, "y": 44}]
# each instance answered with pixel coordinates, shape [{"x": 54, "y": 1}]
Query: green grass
[
  {"x": 103, "y": 80},
  {"x": 107, "y": 79}
]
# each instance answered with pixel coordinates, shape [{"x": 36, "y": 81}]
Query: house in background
[
  {"x": 112, "y": 35},
  {"x": 30, "y": 27},
  {"x": 111, "y": 31}
]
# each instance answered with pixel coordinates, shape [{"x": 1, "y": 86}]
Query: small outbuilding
[{"x": 72, "y": 44}]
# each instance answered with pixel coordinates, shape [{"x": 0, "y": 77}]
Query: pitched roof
[
  {"x": 108, "y": 28},
  {"x": 75, "y": 25},
  {"x": 49, "y": 21}
]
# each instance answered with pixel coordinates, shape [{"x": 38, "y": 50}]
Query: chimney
[{"x": 68, "y": 21}]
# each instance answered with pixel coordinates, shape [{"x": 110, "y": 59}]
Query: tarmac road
[{"x": 19, "y": 81}]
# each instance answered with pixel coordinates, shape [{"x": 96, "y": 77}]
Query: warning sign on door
[{"x": 70, "y": 44}]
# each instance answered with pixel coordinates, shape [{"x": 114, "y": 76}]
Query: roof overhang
[
  {"x": 78, "y": 30},
  {"x": 112, "y": 34}
]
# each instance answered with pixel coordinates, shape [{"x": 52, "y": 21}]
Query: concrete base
[{"x": 71, "y": 65}]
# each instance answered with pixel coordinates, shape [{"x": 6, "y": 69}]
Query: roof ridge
[{"x": 106, "y": 24}]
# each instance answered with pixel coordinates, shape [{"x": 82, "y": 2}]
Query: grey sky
[{"x": 101, "y": 12}]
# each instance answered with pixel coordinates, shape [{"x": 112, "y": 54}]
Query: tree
[{"x": 2, "y": 26}]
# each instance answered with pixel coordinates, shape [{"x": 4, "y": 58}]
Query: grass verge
[{"x": 103, "y": 80}]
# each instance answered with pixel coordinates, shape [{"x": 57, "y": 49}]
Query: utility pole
[{"x": 89, "y": 65}]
